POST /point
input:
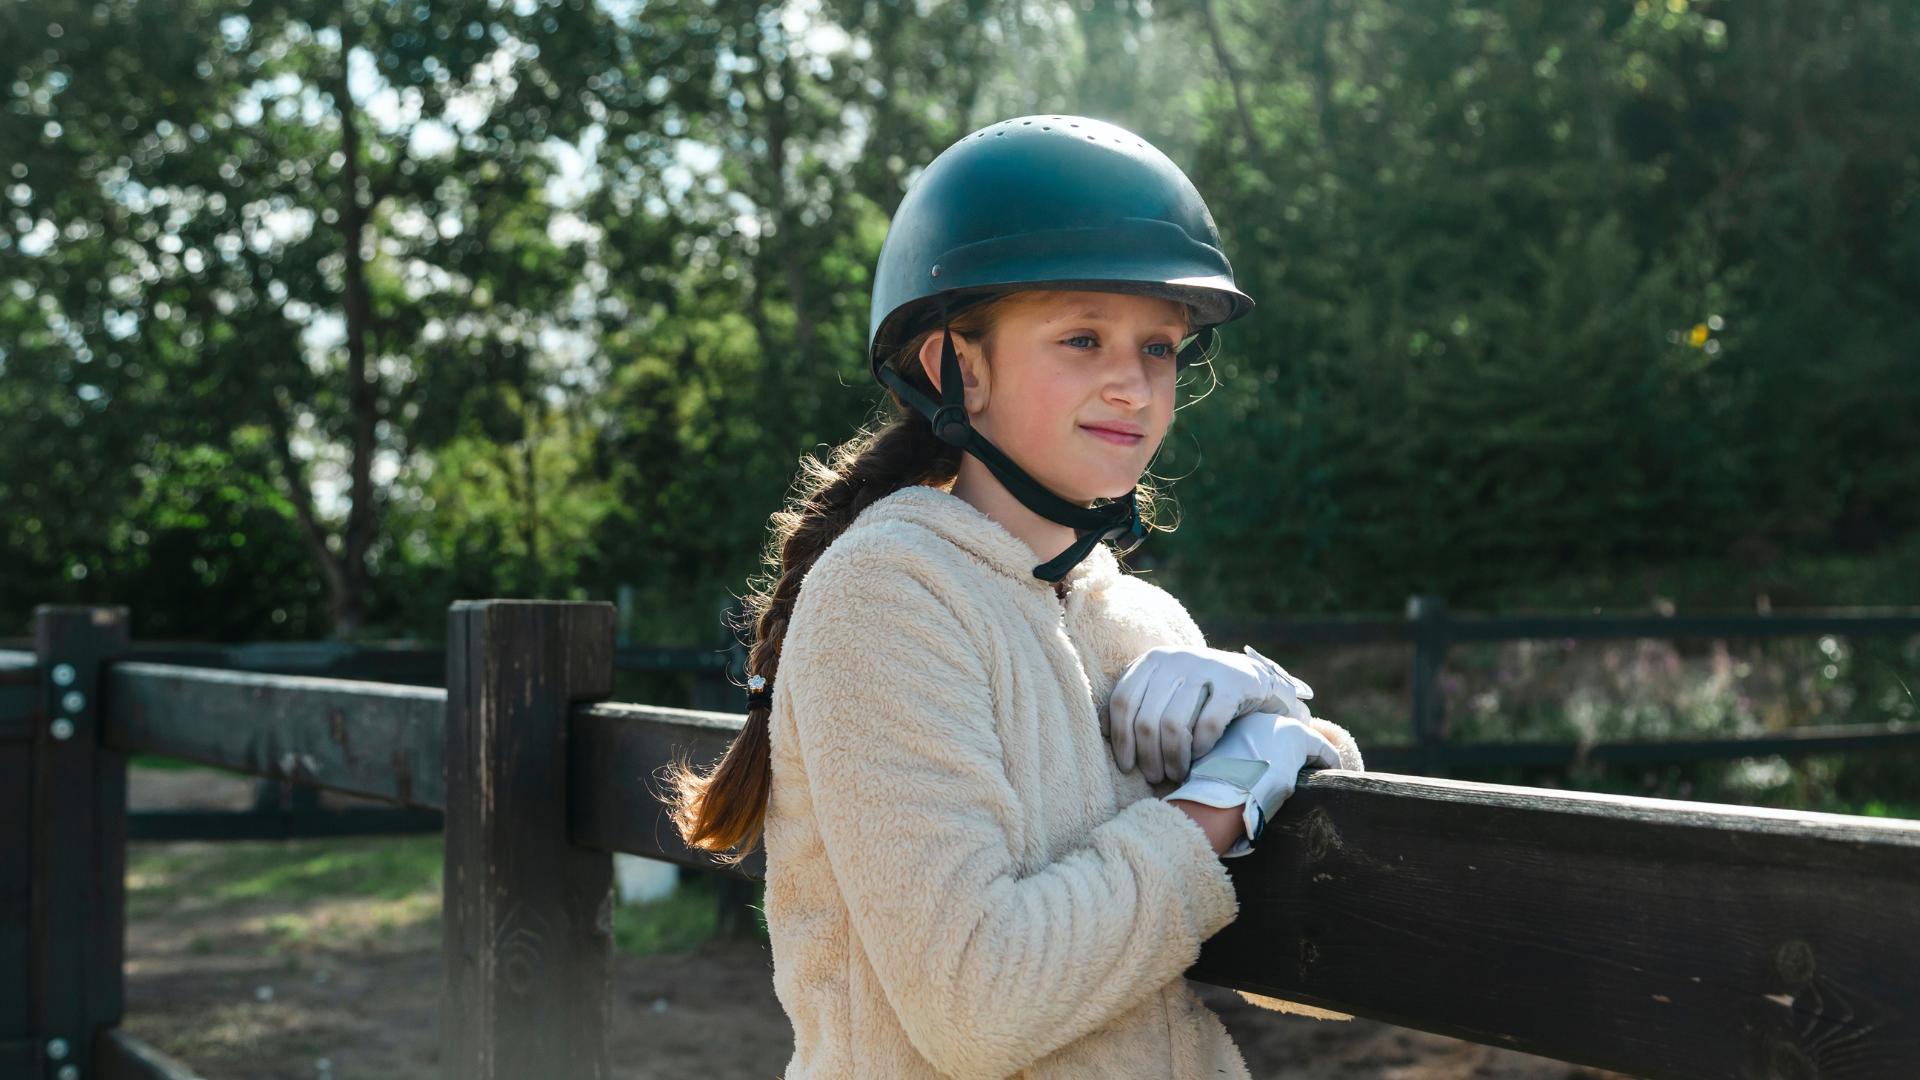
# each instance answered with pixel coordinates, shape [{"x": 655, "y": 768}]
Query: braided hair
[{"x": 722, "y": 810}]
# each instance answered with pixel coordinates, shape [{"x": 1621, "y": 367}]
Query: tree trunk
[
  {"x": 1254, "y": 147},
  {"x": 349, "y": 597},
  {"x": 311, "y": 527}
]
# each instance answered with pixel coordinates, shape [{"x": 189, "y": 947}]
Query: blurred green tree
[
  {"x": 392, "y": 303},
  {"x": 737, "y": 232},
  {"x": 311, "y": 237},
  {"x": 1548, "y": 294}
]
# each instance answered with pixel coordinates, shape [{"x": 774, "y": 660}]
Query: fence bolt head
[
  {"x": 56, "y": 1048},
  {"x": 63, "y": 674},
  {"x": 73, "y": 701},
  {"x": 62, "y": 731},
  {"x": 68, "y": 1072}
]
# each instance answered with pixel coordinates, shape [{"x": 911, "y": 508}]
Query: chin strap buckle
[{"x": 951, "y": 426}]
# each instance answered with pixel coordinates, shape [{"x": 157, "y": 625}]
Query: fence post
[
  {"x": 1427, "y": 614},
  {"x": 79, "y": 830},
  {"x": 527, "y": 961}
]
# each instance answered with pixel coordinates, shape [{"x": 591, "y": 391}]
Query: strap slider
[{"x": 952, "y": 426}]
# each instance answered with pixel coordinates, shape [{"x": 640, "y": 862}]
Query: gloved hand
[
  {"x": 1255, "y": 766},
  {"x": 1172, "y": 703}
]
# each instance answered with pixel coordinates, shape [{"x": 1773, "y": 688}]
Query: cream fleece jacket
[{"x": 960, "y": 883}]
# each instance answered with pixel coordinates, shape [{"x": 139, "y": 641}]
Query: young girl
[{"x": 963, "y": 879}]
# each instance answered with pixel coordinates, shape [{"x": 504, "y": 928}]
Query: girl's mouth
[{"x": 1117, "y": 432}]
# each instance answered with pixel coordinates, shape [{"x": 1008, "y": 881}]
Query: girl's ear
[{"x": 974, "y": 371}]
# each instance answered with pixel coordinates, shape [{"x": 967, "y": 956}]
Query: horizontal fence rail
[
  {"x": 1463, "y": 628},
  {"x": 1663, "y": 939},
  {"x": 413, "y": 665},
  {"x": 19, "y": 690},
  {"x": 616, "y": 754},
  {"x": 1836, "y": 739},
  {"x": 123, "y": 1057},
  {"x": 1430, "y": 628},
  {"x": 304, "y": 819},
  {"x": 360, "y": 738},
  {"x": 1432, "y": 631}
]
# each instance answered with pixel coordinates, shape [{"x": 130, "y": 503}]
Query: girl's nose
[{"x": 1128, "y": 382}]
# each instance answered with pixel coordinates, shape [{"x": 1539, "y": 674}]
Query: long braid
[{"x": 723, "y": 810}]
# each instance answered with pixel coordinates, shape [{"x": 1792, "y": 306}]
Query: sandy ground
[{"x": 296, "y": 986}]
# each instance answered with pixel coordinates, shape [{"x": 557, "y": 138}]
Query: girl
[{"x": 962, "y": 880}]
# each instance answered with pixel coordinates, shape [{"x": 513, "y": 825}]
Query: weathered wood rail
[
  {"x": 1676, "y": 941},
  {"x": 716, "y": 671}
]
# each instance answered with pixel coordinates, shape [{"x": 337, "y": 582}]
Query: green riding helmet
[
  {"x": 1044, "y": 202},
  {"x": 1048, "y": 202}
]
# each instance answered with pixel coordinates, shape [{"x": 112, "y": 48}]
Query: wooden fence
[
  {"x": 1663, "y": 939},
  {"x": 283, "y": 811}
]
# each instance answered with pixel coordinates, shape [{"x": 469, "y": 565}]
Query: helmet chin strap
[{"x": 1116, "y": 520}]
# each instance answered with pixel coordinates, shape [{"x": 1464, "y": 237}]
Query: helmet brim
[{"x": 1211, "y": 301}]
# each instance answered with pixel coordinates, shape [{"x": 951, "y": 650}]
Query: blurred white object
[{"x": 641, "y": 880}]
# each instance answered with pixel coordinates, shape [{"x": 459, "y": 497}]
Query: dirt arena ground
[{"x": 319, "y": 961}]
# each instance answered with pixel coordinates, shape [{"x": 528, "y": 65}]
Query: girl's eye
[
  {"x": 1082, "y": 341},
  {"x": 1160, "y": 349}
]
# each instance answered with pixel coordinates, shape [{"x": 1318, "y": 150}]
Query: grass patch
[
  {"x": 291, "y": 872},
  {"x": 334, "y": 890},
  {"x": 174, "y": 764},
  {"x": 681, "y": 920},
  {"x": 685, "y": 919}
]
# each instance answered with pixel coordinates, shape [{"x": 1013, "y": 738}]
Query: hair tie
[{"x": 759, "y": 693}]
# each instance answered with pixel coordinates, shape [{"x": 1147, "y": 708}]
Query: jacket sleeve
[{"x": 987, "y": 970}]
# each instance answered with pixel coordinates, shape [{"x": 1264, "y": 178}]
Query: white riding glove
[
  {"x": 1172, "y": 703},
  {"x": 1255, "y": 766}
]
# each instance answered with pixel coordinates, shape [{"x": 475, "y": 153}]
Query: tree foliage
[
  {"x": 330, "y": 314},
  {"x": 1555, "y": 290}
]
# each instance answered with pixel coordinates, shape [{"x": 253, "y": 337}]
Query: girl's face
[{"x": 1076, "y": 387}]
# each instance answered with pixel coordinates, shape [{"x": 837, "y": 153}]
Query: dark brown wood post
[
  {"x": 79, "y": 844},
  {"x": 528, "y": 915},
  {"x": 19, "y": 719}
]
